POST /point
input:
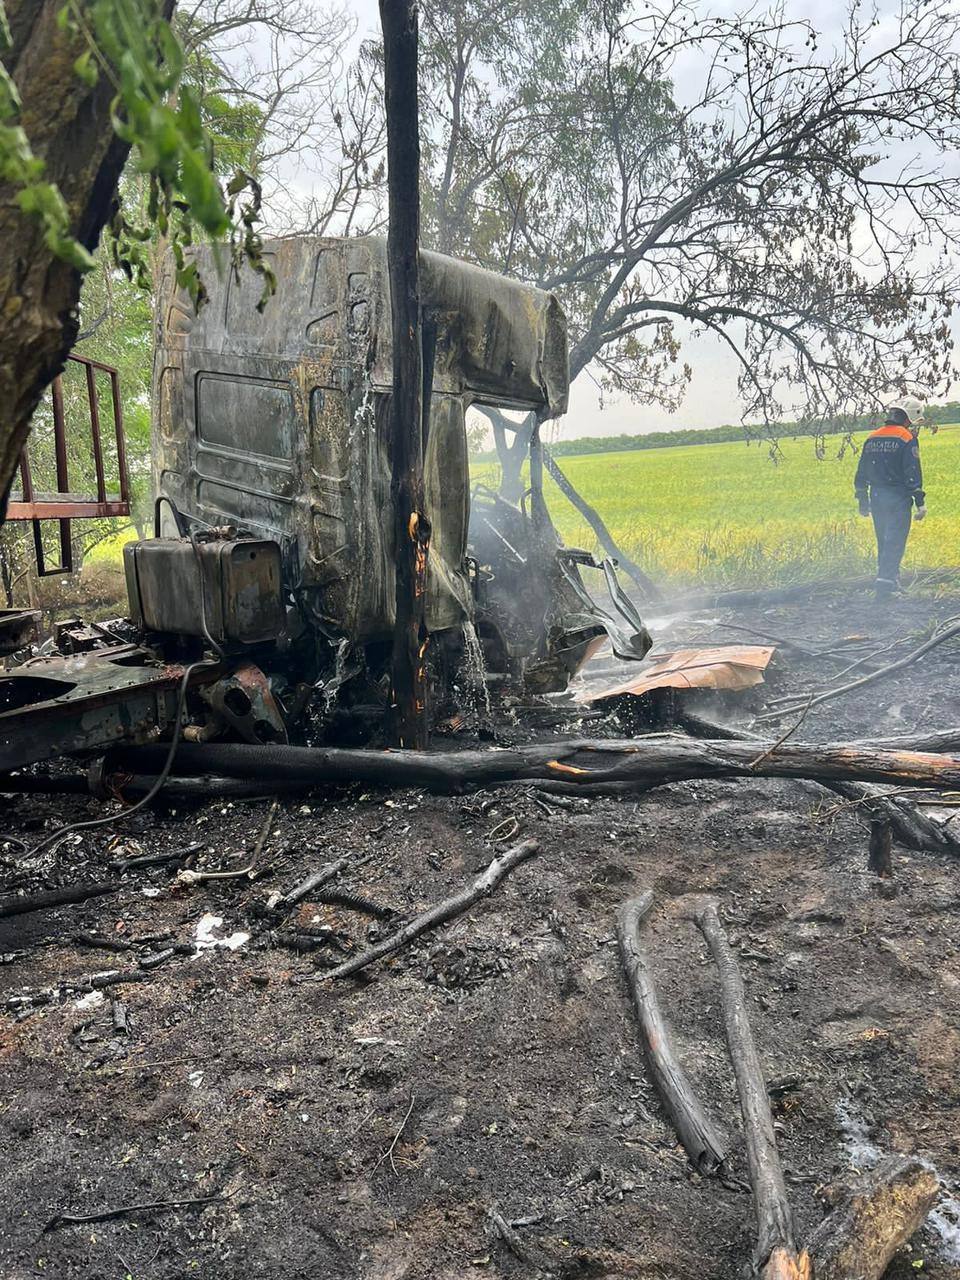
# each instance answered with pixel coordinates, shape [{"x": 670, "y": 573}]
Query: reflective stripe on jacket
[{"x": 890, "y": 459}]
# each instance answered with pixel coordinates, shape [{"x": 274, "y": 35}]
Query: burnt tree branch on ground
[
  {"x": 879, "y": 1214},
  {"x": 776, "y": 1256},
  {"x": 438, "y": 914},
  {"x": 914, "y": 830},
  {"x": 700, "y": 1139},
  {"x": 940, "y": 636}
]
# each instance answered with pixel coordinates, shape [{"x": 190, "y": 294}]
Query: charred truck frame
[{"x": 273, "y": 550}]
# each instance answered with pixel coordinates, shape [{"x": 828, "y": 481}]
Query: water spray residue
[
  {"x": 476, "y": 668},
  {"x": 864, "y": 1154}
]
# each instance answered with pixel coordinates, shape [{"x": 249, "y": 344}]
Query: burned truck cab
[
  {"x": 266, "y": 598},
  {"x": 275, "y": 422}
]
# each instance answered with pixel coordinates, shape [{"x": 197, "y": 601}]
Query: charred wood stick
[
  {"x": 119, "y": 1017},
  {"x": 313, "y": 881},
  {"x": 439, "y": 913},
  {"x": 123, "y": 865},
  {"x": 355, "y": 902},
  {"x": 776, "y": 1252},
  {"x": 880, "y": 1213},
  {"x": 530, "y": 1256},
  {"x": 880, "y": 860},
  {"x": 56, "y": 898},
  {"x": 124, "y": 1210},
  {"x": 101, "y": 942},
  {"x": 700, "y": 1139},
  {"x": 653, "y": 760}
]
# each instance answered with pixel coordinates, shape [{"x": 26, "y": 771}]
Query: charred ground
[{"x": 366, "y": 1130}]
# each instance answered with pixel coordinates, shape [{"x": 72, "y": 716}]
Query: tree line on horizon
[{"x": 728, "y": 433}]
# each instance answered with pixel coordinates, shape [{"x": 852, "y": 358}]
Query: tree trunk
[
  {"x": 68, "y": 125},
  {"x": 880, "y": 1212},
  {"x": 580, "y": 763},
  {"x": 412, "y": 529}
]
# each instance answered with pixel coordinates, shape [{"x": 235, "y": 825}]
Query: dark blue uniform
[{"x": 890, "y": 480}]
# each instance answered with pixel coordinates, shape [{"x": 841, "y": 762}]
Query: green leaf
[
  {"x": 86, "y": 68},
  {"x": 203, "y": 194}
]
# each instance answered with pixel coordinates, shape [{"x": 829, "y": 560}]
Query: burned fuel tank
[{"x": 277, "y": 421}]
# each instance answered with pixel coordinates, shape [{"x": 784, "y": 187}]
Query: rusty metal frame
[{"x": 63, "y": 506}]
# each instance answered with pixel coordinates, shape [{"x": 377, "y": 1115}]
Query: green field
[{"x": 725, "y": 514}]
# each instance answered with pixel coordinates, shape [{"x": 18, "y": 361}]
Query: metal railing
[{"x": 64, "y": 506}]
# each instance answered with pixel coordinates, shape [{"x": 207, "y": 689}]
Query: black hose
[{"x": 353, "y": 902}]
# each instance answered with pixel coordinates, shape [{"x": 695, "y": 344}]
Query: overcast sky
[{"x": 712, "y": 398}]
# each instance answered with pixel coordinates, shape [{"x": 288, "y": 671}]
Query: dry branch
[
  {"x": 881, "y": 1212},
  {"x": 280, "y": 901},
  {"x": 124, "y": 1210},
  {"x": 700, "y": 1139},
  {"x": 438, "y": 914},
  {"x": 776, "y": 1254}
]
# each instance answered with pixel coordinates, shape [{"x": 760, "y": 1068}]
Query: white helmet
[{"x": 909, "y": 405}]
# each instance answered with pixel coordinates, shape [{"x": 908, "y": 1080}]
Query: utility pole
[{"x": 398, "y": 19}]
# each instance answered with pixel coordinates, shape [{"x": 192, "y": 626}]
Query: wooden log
[
  {"x": 776, "y": 1256},
  {"x": 582, "y": 763},
  {"x": 438, "y": 914},
  {"x": 411, "y": 527},
  {"x": 700, "y": 1139},
  {"x": 880, "y": 1213}
]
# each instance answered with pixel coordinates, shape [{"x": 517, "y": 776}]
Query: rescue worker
[{"x": 888, "y": 484}]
